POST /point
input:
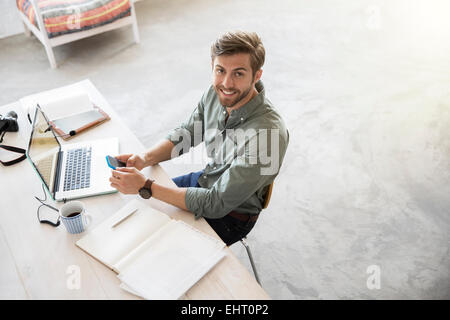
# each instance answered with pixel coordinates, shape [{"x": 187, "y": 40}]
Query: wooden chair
[
  {"x": 244, "y": 240},
  {"x": 50, "y": 43}
]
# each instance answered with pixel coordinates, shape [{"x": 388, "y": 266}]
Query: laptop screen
[{"x": 43, "y": 150}]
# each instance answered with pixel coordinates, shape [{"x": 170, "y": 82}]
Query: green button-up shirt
[{"x": 246, "y": 152}]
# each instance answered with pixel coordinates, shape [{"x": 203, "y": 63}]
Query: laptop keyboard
[{"x": 78, "y": 169}]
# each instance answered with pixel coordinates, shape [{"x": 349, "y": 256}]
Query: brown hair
[{"x": 240, "y": 42}]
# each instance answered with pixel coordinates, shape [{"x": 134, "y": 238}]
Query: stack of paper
[
  {"x": 58, "y": 106},
  {"x": 155, "y": 257},
  {"x": 170, "y": 262}
]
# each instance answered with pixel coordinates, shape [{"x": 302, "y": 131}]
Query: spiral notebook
[{"x": 155, "y": 257}]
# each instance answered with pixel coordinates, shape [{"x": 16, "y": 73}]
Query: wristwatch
[{"x": 146, "y": 191}]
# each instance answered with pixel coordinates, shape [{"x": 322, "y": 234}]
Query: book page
[
  {"x": 171, "y": 261},
  {"x": 128, "y": 289},
  {"x": 58, "y": 104},
  {"x": 110, "y": 244}
]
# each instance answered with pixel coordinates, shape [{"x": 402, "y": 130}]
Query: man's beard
[{"x": 227, "y": 102}]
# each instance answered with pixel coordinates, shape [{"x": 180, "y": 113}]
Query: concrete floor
[{"x": 363, "y": 194}]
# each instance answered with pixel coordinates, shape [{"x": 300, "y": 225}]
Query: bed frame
[{"x": 50, "y": 43}]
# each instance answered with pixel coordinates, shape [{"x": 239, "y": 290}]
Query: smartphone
[{"x": 113, "y": 162}]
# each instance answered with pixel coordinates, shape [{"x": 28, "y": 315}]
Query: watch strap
[
  {"x": 146, "y": 191},
  {"x": 148, "y": 184}
]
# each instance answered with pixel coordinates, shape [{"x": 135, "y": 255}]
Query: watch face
[{"x": 144, "y": 193}]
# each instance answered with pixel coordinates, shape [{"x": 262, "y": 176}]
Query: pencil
[{"x": 124, "y": 218}]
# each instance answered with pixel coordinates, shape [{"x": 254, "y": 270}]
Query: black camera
[{"x": 9, "y": 122}]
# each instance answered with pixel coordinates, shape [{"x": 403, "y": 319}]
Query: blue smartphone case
[{"x": 109, "y": 163}]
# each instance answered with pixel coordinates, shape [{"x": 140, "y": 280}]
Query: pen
[{"x": 124, "y": 218}]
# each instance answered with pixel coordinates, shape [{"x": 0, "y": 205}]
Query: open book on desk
[
  {"x": 156, "y": 257},
  {"x": 68, "y": 113}
]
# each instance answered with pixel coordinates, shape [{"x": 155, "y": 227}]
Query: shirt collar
[{"x": 250, "y": 107}]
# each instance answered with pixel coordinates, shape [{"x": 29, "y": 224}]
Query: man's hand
[
  {"x": 130, "y": 180},
  {"x": 127, "y": 180},
  {"x": 161, "y": 152},
  {"x": 133, "y": 160}
]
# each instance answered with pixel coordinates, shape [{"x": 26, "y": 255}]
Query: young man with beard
[{"x": 243, "y": 133}]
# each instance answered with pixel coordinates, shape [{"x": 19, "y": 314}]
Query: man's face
[{"x": 233, "y": 79}]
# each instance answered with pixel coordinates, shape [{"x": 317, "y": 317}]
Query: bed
[{"x": 56, "y": 22}]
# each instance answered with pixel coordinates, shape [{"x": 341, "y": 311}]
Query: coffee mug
[{"x": 74, "y": 216}]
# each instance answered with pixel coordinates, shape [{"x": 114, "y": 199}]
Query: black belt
[
  {"x": 244, "y": 217},
  {"x": 13, "y": 149}
]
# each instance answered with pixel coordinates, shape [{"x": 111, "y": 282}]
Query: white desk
[{"x": 36, "y": 258}]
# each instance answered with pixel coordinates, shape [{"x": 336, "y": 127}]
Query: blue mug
[{"x": 74, "y": 217}]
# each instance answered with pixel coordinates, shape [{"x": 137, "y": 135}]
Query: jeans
[{"x": 228, "y": 228}]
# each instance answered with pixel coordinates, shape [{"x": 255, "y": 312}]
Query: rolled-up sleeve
[
  {"x": 189, "y": 133},
  {"x": 235, "y": 185},
  {"x": 242, "y": 179}
]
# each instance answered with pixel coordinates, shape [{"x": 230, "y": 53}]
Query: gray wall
[{"x": 10, "y": 23}]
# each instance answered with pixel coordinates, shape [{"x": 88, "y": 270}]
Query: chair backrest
[{"x": 268, "y": 195}]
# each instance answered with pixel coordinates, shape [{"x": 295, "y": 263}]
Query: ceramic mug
[{"x": 74, "y": 216}]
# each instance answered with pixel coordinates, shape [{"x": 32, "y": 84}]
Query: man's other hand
[
  {"x": 132, "y": 160},
  {"x": 127, "y": 180}
]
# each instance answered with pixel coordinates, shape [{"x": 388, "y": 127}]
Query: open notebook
[
  {"x": 155, "y": 256},
  {"x": 66, "y": 111}
]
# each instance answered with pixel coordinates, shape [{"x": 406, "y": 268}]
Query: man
[{"x": 244, "y": 135}]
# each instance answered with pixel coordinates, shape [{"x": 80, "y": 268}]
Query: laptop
[{"x": 69, "y": 171}]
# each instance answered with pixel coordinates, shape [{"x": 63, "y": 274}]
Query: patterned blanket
[{"x": 68, "y": 16}]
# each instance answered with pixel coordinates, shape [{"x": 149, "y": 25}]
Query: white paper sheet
[
  {"x": 171, "y": 262},
  {"x": 110, "y": 245},
  {"x": 59, "y": 105}
]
